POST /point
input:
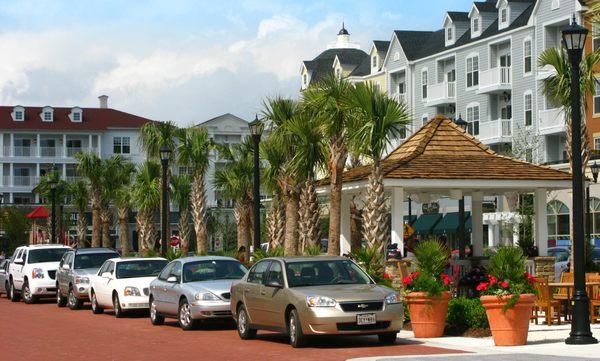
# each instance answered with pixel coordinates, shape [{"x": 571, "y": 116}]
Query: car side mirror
[
  {"x": 275, "y": 284},
  {"x": 19, "y": 261},
  {"x": 172, "y": 279},
  {"x": 66, "y": 267},
  {"x": 106, "y": 274}
]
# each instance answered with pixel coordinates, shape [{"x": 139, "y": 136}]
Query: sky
[{"x": 183, "y": 60}]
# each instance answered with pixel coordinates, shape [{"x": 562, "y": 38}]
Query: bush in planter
[
  {"x": 465, "y": 313},
  {"x": 472, "y": 279}
]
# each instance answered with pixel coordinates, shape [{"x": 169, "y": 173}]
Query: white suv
[{"x": 32, "y": 272}]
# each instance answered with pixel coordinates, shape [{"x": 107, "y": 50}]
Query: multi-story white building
[{"x": 34, "y": 140}]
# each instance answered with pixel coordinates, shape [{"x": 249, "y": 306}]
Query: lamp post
[
  {"x": 165, "y": 155},
  {"x": 574, "y": 40},
  {"x": 595, "y": 168},
  {"x": 256, "y": 129},
  {"x": 462, "y": 124},
  {"x": 53, "y": 185}
]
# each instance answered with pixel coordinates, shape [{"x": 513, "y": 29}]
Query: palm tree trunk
[
  {"x": 337, "y": 160},
  {"x": 292, "y": 200},
  {"x": 105, "y": 218},
  {"x": 375, "y": 225},
  {"x": 355, "y": 226},
  {"x": 276, "y": 223},
  {"x": 123, "y": 213},
  {"x": 184, "y": 230},
  {"x": 198, "y": 205},
  {"x": 309, "y": 216},
  {"x": 96, "y": 227},
  {"x": 81, "y": 230},
  {"x": 147, "y": 231}
]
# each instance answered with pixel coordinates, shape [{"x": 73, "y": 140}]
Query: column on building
[
  {"x": 37, "y": 176},
  {"x": 65, "y": 151},
  {"x": 477, "y": 223},
  {"x": 541, "y": 221},
  {"x": 397, "y": 211},
  {"x": 38, "y": 148},
  {"x": 345, "y": 229}
]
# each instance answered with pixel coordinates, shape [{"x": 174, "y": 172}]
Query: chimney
[{"x": 103, "y": 101}]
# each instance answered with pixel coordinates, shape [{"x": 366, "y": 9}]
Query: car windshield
[
  {"x": 46, "y": 255},
  {"x": 140, "y": 268},
  {"x": 213, "y": 270},
  {"x": 561, "y": 254},
  {"x": 92, "y": 260},
  {"x": 319, "y": 273}
]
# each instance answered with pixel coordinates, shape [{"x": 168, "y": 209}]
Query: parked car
[
  {"x": 121, "y": 284},
  {"x": 4, "y": 276},
  {"x": 32, "y": 272},
  {"x": 74, "y": 271},
  {"x": 563, "y": 258},
  {"x": 596, "y": 255},
  {"x": 314, "y": 296},
  {"x": 193, "y": 289}
]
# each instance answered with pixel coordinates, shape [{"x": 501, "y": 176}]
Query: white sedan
[{"x": 122, "y": 284}]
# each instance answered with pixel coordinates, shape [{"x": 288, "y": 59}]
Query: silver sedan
[{"x": 193, "y": 289}]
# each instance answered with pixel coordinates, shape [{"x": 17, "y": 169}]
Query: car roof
[
  {"x": 205, "y": 258},
  {"x": 125, "y": 259},
  {"x": 47, "y": 245},
  {"x": 94, "y": 250},
  {"x": 295, "y": 259}
]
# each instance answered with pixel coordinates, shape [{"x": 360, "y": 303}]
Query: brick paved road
[{"x": 44, "y": 332}]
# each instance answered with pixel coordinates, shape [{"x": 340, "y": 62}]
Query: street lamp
[
  {"x": 462, "y": 124},
  {"x": 595, "y": 168},
  {"x": 53, "y": 184},
  {"x": 165, "y": 155},
  {"x": 256, "y": 129},
  {"x": 573, "y": 41}
]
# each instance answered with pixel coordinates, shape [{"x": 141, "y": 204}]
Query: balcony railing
[
  {"x": 495, "y": 79},
  {"x": 24, "y": 181},
  {"x": 22, "y": 151},
  {"x": 441, "y": 93},
  {"x": 399, "y": 97},
  {"x": 71, "y": 151},
  {"x": 552, "y": 121},
  {"x": 48, "y": 151},
  {"x": 495, "y": 130}
]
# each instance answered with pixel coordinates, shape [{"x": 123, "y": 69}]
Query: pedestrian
[{"x": 2, "y": 255}]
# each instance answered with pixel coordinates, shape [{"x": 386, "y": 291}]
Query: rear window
[
  {"x": 141, "y": 268},
  {"x": 92, "y": 260},
  {"x": 46, "y": 255},
  {"x": 213, "y": 270}
]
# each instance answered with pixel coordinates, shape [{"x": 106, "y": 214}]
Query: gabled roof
[
  {"x": 412, "y": 41},
  {"x": 381, "y": 45},
  {"x": 363, "y": 69},
  {"x": 226, "y": 116},
  {"x": 458, "y": 16},
  {"x": 485, "y": 6},
  {"x": 93, "y": 119},
  {"x": 441, "y": 150},
  {"x": 322, "y": 65}
]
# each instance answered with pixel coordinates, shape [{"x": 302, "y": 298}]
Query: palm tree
[
  {"x": 146, "y": 196},
  {"x": 80, "y": 200},
  {"x": 193, "y": 151},
  {"x": 61, "y": 191},
  {"x": 234, "y": 181},
  {"x": 122, "y": 200},
  {"x": 117, "y": 178},
  {"x": 377, "y": 120},
  {"x": 181, "y": 186},
  {"x": 279, "y": 111},
  {"x": 90, "y": 166},
  {"x": 275, "y": 219},
  {"x": 327, "y": 100},
  {"x": 558, "y": 88}
]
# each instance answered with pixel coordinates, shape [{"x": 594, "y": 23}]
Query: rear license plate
[{"x": 366, "y": 319}]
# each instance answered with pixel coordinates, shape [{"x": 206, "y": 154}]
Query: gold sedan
[{"x": 308, "y": 296}]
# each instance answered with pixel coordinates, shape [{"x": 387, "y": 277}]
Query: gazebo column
[
  {"x": 541, "y": 221},
  {"x": 398, "y": 217},
  {"x": 345, "y": 231},
  {"x": 477, "y": 223}
]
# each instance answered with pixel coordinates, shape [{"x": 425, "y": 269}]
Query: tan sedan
[{"x": 314, "y": 296}]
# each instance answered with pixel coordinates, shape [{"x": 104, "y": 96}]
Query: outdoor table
[{"x": 570, "y": 285}]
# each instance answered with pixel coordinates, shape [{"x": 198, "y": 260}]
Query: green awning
[
  {"x": 425, "y": 223},
  {"x": 449, "y": 224},
  {"x": 413, "y": 218}
]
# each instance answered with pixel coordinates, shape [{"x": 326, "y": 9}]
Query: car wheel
[
  {"x": 60, "y": 300},
  {"x": 74, "y": 302},
  {"x": 387, "y": 338},
  {"x": 96, "y": 309},
  {"x": 7, "y": 288},
  {"x": 186, "y": 321},
  {"x": 243, "y": 324},
  {"x": 297, "y": 337},
  {"x": 155, "y": 318},
  {"x": 28, "y": 297},
  {"x": 14, "y": 296},
  {"x": 117, "y": 306}
]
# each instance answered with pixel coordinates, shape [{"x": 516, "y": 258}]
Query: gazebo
[
  {"x": 441, "y": 160},
  {"x": 39, "y": 213}
]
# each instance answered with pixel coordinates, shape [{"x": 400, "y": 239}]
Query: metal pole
[
  {"x": 580, "y": 326},
  {"x": 53, "y": 230},
  {"x": 461, "y": 228},
  {"x": 256, "y": 196},
  {"x": 409, "y": 211},
  {"x": 588, "y": 220},
  {"x": 163, "y": 220}
]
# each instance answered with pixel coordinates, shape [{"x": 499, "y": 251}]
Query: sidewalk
[{"x": 543, "y": 343}]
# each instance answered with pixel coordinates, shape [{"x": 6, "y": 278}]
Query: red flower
[
  {"x": 407, "y": 280},
  {"x": 530, "y": 278},
  {"x": 387, "y": 276},
  {"x": 504, "y": 284},
  {"x": 493, "y": 280},
  {"x": 415, "y": 274},
  {"x": 445, "y": 279},
  {"x": 483, "y": 286}
]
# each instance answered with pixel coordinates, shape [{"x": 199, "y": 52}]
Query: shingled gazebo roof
[{"x": 441, "y": 150}]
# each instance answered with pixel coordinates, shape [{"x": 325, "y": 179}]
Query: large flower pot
[
  {"x": 427, "y": 314},
  {"x": 509, "y": 327}
]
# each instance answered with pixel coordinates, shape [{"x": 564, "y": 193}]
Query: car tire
[
  {"x": 297, "y": 337},
  {"x": 96, "y": 309},
  {"x": 243, "y": 324},
  {"x": 73, "y": 301},
  {"x": 186, "y": 320},
  {"x": 117, "y": 306},
  {"x": 7, "y": 288},
  {"x": 155, "y": 318},
  {"x": 14, "y": 296},
  {"x": 28, "y": 297},
  {"x": 61, "y": 301},
  {"x": 387, "y": 338}
]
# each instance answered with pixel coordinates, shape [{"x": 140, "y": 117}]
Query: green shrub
[
  {"x": 313, "y": 250},
  {"x": 173, "y": 253},
  {"x": 464, "y": 313},
  {"x": 370, "y": 259},
  {"x": 272, "y": 252}
]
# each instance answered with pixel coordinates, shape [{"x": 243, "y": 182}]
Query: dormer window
[
  {"x": 449, "y": 35},
  {"x": 76, "y": 115},
  {"x": 47, "y": 114},
  {"x": 18, "y": 114},
  {"x": 304, "y": 79},
  {"x": 338, "y": 73},
  {"x": 503, "y": 15},
  {"x": 475, "y": 25},
  {"x": 374, "y": 61}
]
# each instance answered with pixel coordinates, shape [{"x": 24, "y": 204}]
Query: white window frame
[
  {"x": 338, "y": 73},
  {"x": 525, "y": 41},
  {"x": 555, "y": 5},
  {"x": 424, "y": 119},
  {"x": 596, "y": 112},
  {"x": 375, "y": 61},
  {"x": 470, "y": 118},
  {"x": 305, "y": 79},
  {"x": 424, "y": 85},
  {"x": 503, "y": 24},
  {"x": 18, "y": 110},
  {"x": 121, "y": 144},
  {"x": 449, "y": 34},
  {"x": 597, "y": 143},
  {"x": 526, "y": 94},
  {"x": 469, "y": 57},
  {"x": 595, "y": 37},
  {"x": 47, "y": 111},
  {"x": 476, "y": 20},
  {"x": 397, "y": 56}
]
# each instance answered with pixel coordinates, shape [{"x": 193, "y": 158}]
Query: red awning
[{"x": 39, "y": 212}]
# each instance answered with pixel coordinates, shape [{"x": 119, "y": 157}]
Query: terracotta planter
[
  {"x": 510, "y": 327},
  {"x": 427, "y": 314}
]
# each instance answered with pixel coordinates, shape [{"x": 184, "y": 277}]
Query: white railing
[
  {"x": 441, "y": 91},
  {"x": 399, "y": 97},
  {"x": 552, "y": 119},
  {"x": 48, "y": 151},
  {"x": 6, "y": 150},
  {"x": 21, "y": 151},
  {"x": 530, "y": 267},
  {"x": 73, "y": 178},
  {"x": 495, "y": 129},
  {"x": 494, "y": 77},
  {"x": 24, "y": 181},
  {"x": 71, "y": 151}
]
